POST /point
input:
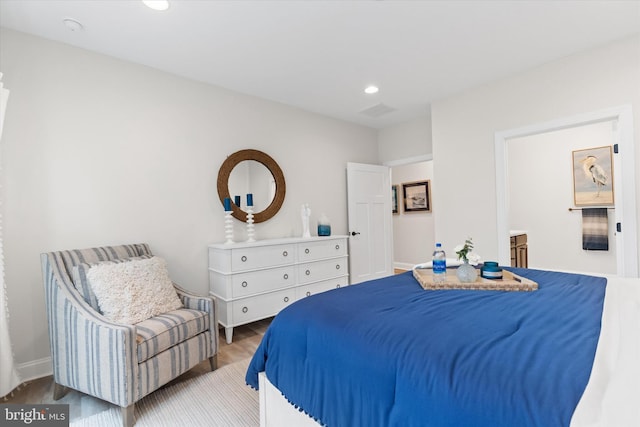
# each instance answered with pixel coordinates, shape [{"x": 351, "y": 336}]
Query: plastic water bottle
[{"x": 439, "y": 264}]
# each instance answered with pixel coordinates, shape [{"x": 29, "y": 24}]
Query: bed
[{"x": 388, "y": 353}]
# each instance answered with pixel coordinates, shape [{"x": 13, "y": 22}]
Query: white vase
[
  {"x": 467, "y": 273},
  {"x": 305, "y": 213}
]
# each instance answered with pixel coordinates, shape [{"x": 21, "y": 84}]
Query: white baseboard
[
  {"x": 402, "y": 266},
  {"x": 35, "y": 369}
]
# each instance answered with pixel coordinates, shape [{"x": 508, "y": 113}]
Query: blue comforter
[{"x": 388, "y": 353}]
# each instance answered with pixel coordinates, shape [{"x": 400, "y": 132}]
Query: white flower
[{"x": 474, "y": 258}]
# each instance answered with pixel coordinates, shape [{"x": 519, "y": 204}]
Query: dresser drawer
[
  {"x": 264, "y": 256},
  {"x": 309, "y": 251},
  {"x": 247, "y": 310},
  {"x": 255, "y": 282},
  {"x": 321, "y": 270},
  {"x": 325, "y": 285}
]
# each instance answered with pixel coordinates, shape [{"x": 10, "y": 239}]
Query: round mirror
[
  {"x": 254, "y": 172},
  {"x": 250, "y": 176}
]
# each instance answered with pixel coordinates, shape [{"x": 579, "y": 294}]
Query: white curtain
[{"x": 9, "y": 378}]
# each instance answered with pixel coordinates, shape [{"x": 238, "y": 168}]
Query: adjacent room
[{"x": 226, "y": 213}]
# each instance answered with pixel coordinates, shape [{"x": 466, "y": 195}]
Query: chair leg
[
  {"x": 128, "y": 415},
  {"x": 59, "y": 391},
  {"x": 213, "y": 361}
]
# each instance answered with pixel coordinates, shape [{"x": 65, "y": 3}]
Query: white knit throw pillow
[{"x": 133, "y": 291}]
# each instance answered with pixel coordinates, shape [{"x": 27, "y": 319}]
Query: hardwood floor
[{"x": 246, "y": 339}]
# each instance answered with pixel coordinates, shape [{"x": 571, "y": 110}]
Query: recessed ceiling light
[
  {"x": 371, "y": 89},
  {"x": 72, "y": 24},
  {"x": 157, "y": 4}
]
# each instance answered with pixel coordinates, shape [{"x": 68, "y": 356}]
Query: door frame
[{"x": 624, "y": 181}]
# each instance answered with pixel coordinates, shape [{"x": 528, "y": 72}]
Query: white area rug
[{"x": 220, "y": 398}]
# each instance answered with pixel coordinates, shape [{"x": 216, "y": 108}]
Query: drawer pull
[
  {"x": 337, "y": 247},
  {"x": 306, "y": 251},
  {"x": 244, "y": 284},
  {"x": 308, "y": 293},
  {"x": 286, "y": 299},
  {"x": 285, "y": 253},
  {"x": 286, "y": 276},
  {"x": 337, "y": 266},
  {"x": 244, "y": 258},
  {"x": 245, "y": 309},
  {"x": 307, "y": 272},
  {"x": 338, "y": 285}
]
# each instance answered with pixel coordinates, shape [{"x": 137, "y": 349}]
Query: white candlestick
[
  {"x": 228, "y": 226},
  {"x": 250, "y": 226}
]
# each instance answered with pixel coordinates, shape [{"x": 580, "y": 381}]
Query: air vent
[{"x": 377, "y": 110}]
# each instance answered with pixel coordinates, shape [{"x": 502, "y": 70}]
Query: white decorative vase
[
  {"x": 467, "y": 273},
  {"x": 305, "y": 213}
]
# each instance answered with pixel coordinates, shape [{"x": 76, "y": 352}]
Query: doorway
[
  {"x": 619, "y": 122},
  {"x": 413, "y": 232},
  {"x": 541, "y": 202}
]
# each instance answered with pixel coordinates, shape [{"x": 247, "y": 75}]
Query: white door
[{"x": 370, "y": 226}]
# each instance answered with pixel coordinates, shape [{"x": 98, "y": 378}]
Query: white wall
[
  {"x": 413, "y": 233},
  {"x": 98, "y": 151},
  {"x": 407, "y": 148},
  {"x": 464, "y": 127},
  {"x": 541, "y": 193},
  {"x": 407, "y": 140}
]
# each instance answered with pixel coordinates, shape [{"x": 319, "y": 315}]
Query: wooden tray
[{"x": 509, "y": 282}]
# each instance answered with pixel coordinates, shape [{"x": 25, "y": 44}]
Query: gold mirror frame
[{"x": 269, "y": 163}]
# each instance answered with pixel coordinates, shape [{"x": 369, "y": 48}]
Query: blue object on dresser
[
  {"x": 324, "y": 230},
  {"x": 388, "y": 353}
]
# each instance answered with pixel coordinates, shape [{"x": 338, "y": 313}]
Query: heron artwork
[{"x": 594, "y": 172}]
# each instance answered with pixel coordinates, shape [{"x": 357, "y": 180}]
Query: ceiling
[{"x": 320, "y": 55}]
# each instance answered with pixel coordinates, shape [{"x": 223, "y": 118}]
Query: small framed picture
[
  {"x": 417, "y": 196},
  {"x": 593, "y": 176},
  {"x": 394, "y": 199}
]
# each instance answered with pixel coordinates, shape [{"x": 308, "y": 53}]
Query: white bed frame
[{"x": 276, "y": 411}]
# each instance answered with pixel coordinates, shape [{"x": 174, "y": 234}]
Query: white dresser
[{"x": 253, "y": 281}]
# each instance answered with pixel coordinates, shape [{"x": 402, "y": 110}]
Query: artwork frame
[
  {"x": 417, "y": 196},
  {"x": 590, "y": 166},
  {"x": 394, "y": 199}
]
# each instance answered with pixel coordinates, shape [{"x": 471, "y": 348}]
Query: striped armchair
[{"x": 116, "y": 362}]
